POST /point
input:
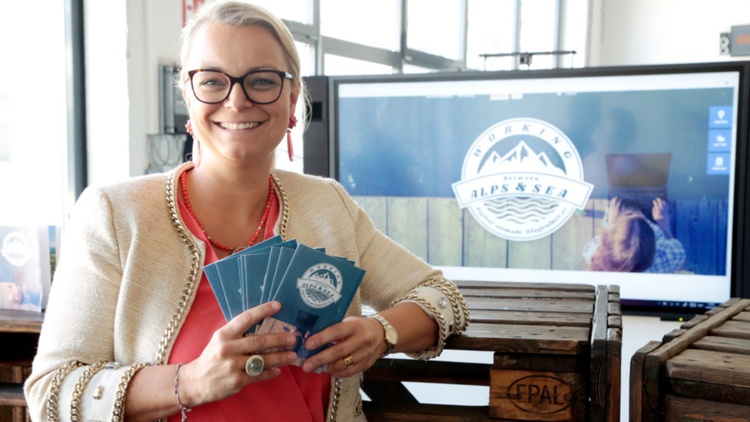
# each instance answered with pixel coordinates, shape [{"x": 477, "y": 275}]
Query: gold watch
[{"x": 391, "y": 335}]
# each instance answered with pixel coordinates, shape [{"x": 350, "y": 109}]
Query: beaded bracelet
[{"x": 183, "y": 409}]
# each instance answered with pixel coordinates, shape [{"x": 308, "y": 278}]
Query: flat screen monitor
[{"x": 630, "y": 176}]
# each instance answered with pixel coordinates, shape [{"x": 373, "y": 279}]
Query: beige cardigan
[{"x": 128, "y": 273}]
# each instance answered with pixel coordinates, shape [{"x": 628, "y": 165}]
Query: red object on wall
[{"x": 189, "y": 7}]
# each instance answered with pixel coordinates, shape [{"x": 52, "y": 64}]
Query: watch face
[{"x": 391, "y": 335}]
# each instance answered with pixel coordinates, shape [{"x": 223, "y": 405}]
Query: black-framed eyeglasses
[{"x": 260, "y": 86}]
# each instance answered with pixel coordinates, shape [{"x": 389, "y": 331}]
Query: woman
[
  {"x": 630, "y": 242},
  {"x": 132, "y": 328}
]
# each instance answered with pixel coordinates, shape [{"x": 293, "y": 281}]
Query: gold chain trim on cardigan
[
  {"x": 443, "y": 332},
  {"x": 457, "y": 301},
  {"x": 118, "y": 414},
  {"x": 54, "y": 389},
  {"x": 335, "y": 401},
  {"x": 195, "y": 265},
  {"x": 83, "y": 380},
  {"x": 284, "y": 206},
  {"x": 458, "y": 305}
]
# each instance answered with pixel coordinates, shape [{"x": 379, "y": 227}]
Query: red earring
[
  {"x": 292, "y": 125},
  {"x": 196, "y": 148},
  {"x": 189, "y": 127}
]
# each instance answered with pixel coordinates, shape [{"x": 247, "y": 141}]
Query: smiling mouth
[{"x": 239, "y": 126}]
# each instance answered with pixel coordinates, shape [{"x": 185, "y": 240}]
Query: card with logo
[{"x": 315, "y": 292}]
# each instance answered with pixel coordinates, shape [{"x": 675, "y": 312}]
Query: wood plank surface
[
  {"x": 387, "y": 412},
  {"x": 407, "y": 224},
  {"x": 614, "y": 378},
  {"x": 710, "y": 367},
  {"x": 502, "y": 292},
  {"x": 482, "y": 248},
  {"x": 441, "y": 372},
  {"x": 653, "y": 362},
  {"x": 570, "y": 240},
  {"x": 531, "y": 318},
  {"x": 445, "y": 232},
  {"x": 522, "y": 338},
  {"x": 11, "y": 394},
  {"x": 549, "y": 288},
  {"x": 640, "y": 409},
  {"x": 15, "y": 321},
  {"x": 598, "y": 363},
  {"x": 531, "y": 305},
  {"x": 723, "y": 344},
  {"x": 734, "y": 329},
  {"x": 532, "y": 254},
  {"x": 681, "y": 409}
]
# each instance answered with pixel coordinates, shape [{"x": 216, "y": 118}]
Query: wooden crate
[
  {"x": 557, "y": 352},
  {"x": 19, "y": 334},
  {"x": 699, "y": 372}
]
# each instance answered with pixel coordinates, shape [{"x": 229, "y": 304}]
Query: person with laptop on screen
[{"x": 630, "y": 242}]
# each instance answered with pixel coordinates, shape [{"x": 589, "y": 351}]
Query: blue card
[
  {"x": 223, "y": 276},
  {"x": 273, "y": 260},
  {"x": 212, "y": 274},
  {"x": 316, "y": 292},
  {"x": 253, "y": 270}
]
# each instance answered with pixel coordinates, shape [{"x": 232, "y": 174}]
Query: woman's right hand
[
  {"x": 615, "y": 206},
  {"x": 219, "y": 371}
]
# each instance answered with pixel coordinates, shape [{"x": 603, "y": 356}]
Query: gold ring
[
  {"x": 349, "y": 362},
  {"x": 254, "y": 365}
]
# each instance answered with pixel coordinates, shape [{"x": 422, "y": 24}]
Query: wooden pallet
[
  {"x": 699, "y": 372},
  {"x": 557, "y": 353}
]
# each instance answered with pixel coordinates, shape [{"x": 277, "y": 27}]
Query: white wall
[
  {"x": 636, "y": 32},
  {"x": 126, "y": 41}
]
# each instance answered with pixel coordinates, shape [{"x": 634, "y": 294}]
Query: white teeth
[{"x": 237, "y": 126}]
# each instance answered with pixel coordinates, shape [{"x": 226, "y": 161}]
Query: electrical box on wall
[
  {"x": 724, "y": 43},
  {"x": 172, "y": 111},
  {"x": 739, "y": 41}
]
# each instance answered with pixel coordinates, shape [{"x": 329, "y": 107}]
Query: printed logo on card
[
  {"x": 320, "y": 285},
  {"x": 522, "y": 179},
  {"x": 16, "y": 249}
]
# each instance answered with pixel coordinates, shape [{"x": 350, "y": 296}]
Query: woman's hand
[
  {"x": 356, "y": 344},
  {"x": 615, "y": 207},
  {"x": 660, "y": 212},
  {"x": 219, "y": 371}
]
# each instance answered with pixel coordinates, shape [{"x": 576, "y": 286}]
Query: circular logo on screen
[
  {"x": 16, "y": 249},
  {"x": 320, "y": 285},
  {"x": 522, "y": 179}
]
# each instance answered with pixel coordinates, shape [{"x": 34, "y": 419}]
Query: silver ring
[{"x": 254, "y": 365}]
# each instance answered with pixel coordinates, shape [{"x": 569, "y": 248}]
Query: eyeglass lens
[{"x": 214, "y": 87}]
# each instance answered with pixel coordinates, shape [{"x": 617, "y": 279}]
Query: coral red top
[{"x": 292, "y": 396}]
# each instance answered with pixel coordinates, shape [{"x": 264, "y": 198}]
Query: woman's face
[{"x": 238, "y": 129}]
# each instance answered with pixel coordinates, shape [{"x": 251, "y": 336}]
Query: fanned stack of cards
[{"x": 315, "y": 289}]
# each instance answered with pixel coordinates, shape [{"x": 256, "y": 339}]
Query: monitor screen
[{"x": 612, "y": 176}]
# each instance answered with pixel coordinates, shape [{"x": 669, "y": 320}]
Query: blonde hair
[
  {"x": 627, "y": 245},
  {"x": 239, "y": 13}
]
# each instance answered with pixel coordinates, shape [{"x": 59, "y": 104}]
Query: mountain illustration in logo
[{"x": 520, "y": 159}]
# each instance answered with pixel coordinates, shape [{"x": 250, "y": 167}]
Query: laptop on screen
[{"x": 638, "y": 179}]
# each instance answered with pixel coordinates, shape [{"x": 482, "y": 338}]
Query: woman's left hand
[{"x": 356, "y": 344}]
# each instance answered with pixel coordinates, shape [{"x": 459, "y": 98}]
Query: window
[
  {"x": 32, "y": 114},
  {"x": 370, "y": 23},
  {"x": 435, "y": 27},
  {"x": 491, "y": 30},
  {"x": 537, "y": 31}
]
